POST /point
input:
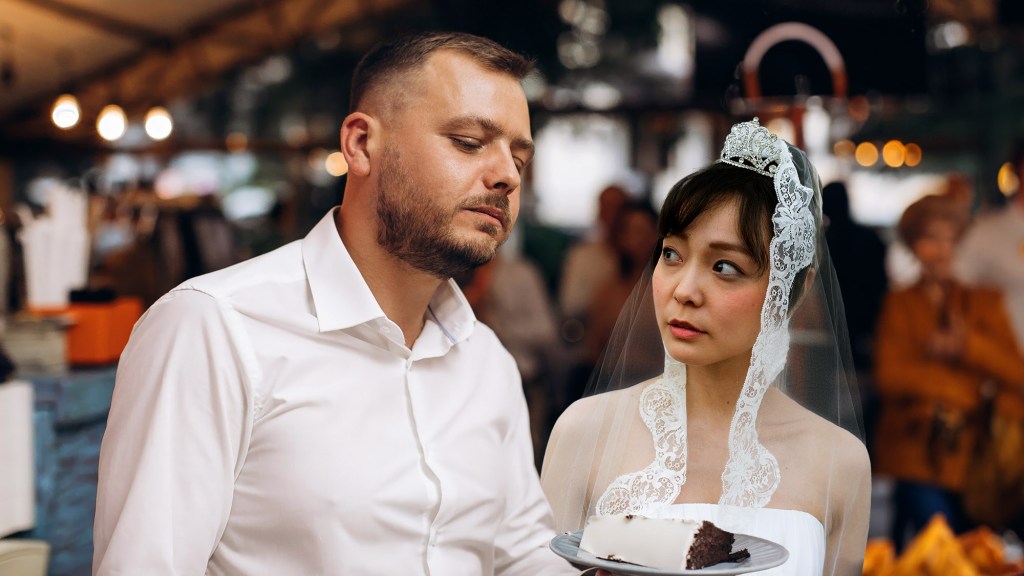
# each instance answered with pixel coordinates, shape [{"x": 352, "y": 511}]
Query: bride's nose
[{"x": 689, "y": 288}]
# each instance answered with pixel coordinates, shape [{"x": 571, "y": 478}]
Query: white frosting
[{"x": 654, "y": 542}]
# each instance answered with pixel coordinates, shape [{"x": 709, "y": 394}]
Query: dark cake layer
[{"x": 710, "y": 546}]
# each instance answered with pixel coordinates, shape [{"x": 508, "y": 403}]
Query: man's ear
[{"x": 356, "y": 132}]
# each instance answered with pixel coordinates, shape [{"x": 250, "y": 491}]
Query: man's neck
[{"x": 403, "y": 292}]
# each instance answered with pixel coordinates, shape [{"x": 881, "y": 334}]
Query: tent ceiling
[
  {"x": 140, "y": 54},
  {"x": 144, "y": 53}
]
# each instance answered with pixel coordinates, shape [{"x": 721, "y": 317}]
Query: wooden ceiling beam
[{"x": 100, "y": 21}]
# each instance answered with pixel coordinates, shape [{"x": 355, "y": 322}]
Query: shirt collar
[
  {"x": 452, "y": 312},
  {"x": 342, "y": 299}
]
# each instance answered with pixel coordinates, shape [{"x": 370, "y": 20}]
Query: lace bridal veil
[{"x": 795, "y": 438}]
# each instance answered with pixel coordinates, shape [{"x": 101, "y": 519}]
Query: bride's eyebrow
[{"x": 730, "y": 247}]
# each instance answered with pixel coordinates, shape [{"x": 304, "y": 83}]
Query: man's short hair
[{"x": 388, "y": 59}]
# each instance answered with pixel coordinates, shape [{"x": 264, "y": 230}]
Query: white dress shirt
[{"x": 268, "y": 419}]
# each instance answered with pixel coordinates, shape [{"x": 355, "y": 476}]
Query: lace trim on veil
[
  {"x": 663, "y": 410},
  {"x": 751, "y": 473}
]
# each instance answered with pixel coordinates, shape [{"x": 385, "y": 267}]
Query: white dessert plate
[{"x": 764, "y": 554}]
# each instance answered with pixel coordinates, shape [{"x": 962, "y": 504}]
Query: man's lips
[
  {"x": 684, "y": 330},
  {"x": 492, "y": 212}
]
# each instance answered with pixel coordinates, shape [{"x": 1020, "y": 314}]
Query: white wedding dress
[
  {"x": 652, "y": 490},
  {"x": 800, "y": 533}
]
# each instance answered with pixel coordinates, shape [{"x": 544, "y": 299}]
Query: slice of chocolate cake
[
  {"x": 711, "y": 546},
  {"x": 665, "y": 543}
]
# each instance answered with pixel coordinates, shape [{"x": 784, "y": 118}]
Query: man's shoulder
[
  {"x": 277, "y": 266},
  {"x": 485, "y": 342}
]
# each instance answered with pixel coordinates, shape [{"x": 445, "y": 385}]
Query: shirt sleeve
[
  {"x": 179, "y": 424},
  {"x": 521, "y": 548}
]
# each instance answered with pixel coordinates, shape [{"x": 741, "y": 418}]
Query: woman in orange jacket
[{"x": 941, "y": 348}]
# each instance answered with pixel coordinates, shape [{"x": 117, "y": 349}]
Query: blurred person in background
[
  {"x": 992, "y": 251},
  {"x": 634, "y": 236},
  {"x": 858, "y": 254},
  {"x": 593, "y": 259},
  {"x": 901, "y": 265},
  {"x": 992, "y": 254},
  {"x": 937, "y": 344},
  {"x": 587, "y": 265}
]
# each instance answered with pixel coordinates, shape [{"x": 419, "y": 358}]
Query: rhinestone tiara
[{"x": 750, "y": 145}]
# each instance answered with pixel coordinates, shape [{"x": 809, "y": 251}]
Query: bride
[{"x": 752, "y": 421}]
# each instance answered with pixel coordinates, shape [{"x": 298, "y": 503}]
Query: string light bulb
[
  {"x": 1007, "y": 179},
  {"x": 66, "y": 113},
  {"x": 913, "y": 153},
  {"x": 111, "y": 123},
  {"x": 894, "y": 154},
  {"x": 866, "y": 154},
  {"x": 159, "y": 124}
]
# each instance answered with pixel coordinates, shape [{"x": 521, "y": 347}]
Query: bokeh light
[
  {"x": 844, "y": 148},
  {"x": 1007, "y": 179},
  {"x": 336, "y": 164},
  {"x": 236, "y": 142},
  {"x": 913, "y": 154},
  {"x": 66, "y": 111},
  {"x": 159, "y": 124},
  {"x": 893, "y": 153},
  {"x": 111, "y": 123},
  {"x": 866, "y": 154}
]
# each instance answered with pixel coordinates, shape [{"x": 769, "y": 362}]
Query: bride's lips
[
  {"x": 684, "y": 330},
  {"x": 490, "y": 212}
]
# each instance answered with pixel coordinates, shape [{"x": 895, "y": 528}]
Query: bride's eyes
[
  {"x": 727, "y": 268},
  {"x": 723, "y": 267}
]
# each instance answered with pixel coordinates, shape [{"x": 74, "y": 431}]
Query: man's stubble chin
[{"x": 421, "y": 233}]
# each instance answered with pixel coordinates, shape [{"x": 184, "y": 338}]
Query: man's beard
[{"x": 419, "y": 231}]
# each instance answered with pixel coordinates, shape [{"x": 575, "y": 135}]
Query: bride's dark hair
[{"x": 710, "y": 187}]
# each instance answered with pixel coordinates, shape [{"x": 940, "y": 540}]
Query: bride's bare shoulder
[
  {"x": 592, "y": 410},
  {"x": 820, "y": 436}
]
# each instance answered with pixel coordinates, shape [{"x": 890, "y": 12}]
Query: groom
[{"x": 333, "y": 407}]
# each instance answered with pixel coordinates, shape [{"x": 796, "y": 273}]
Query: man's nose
[{"x": 502, "y": 172}]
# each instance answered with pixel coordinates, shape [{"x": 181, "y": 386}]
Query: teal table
[{"x": 70, "y": 417}]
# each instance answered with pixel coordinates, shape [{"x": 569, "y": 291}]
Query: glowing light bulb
[
  {"x": 66, "y": 112},
  {"x": 844, "y": 148},
  {"x": 111, "y": 123},
  {"x": 236, "y": 142},
  {"x": 159, "y": 124},
  {"x": 893, "y": 153},
  {"x": 866, "y": 154},
  {"x": 1007, "y": 179},
  {"x": 913, "y": 153}
]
